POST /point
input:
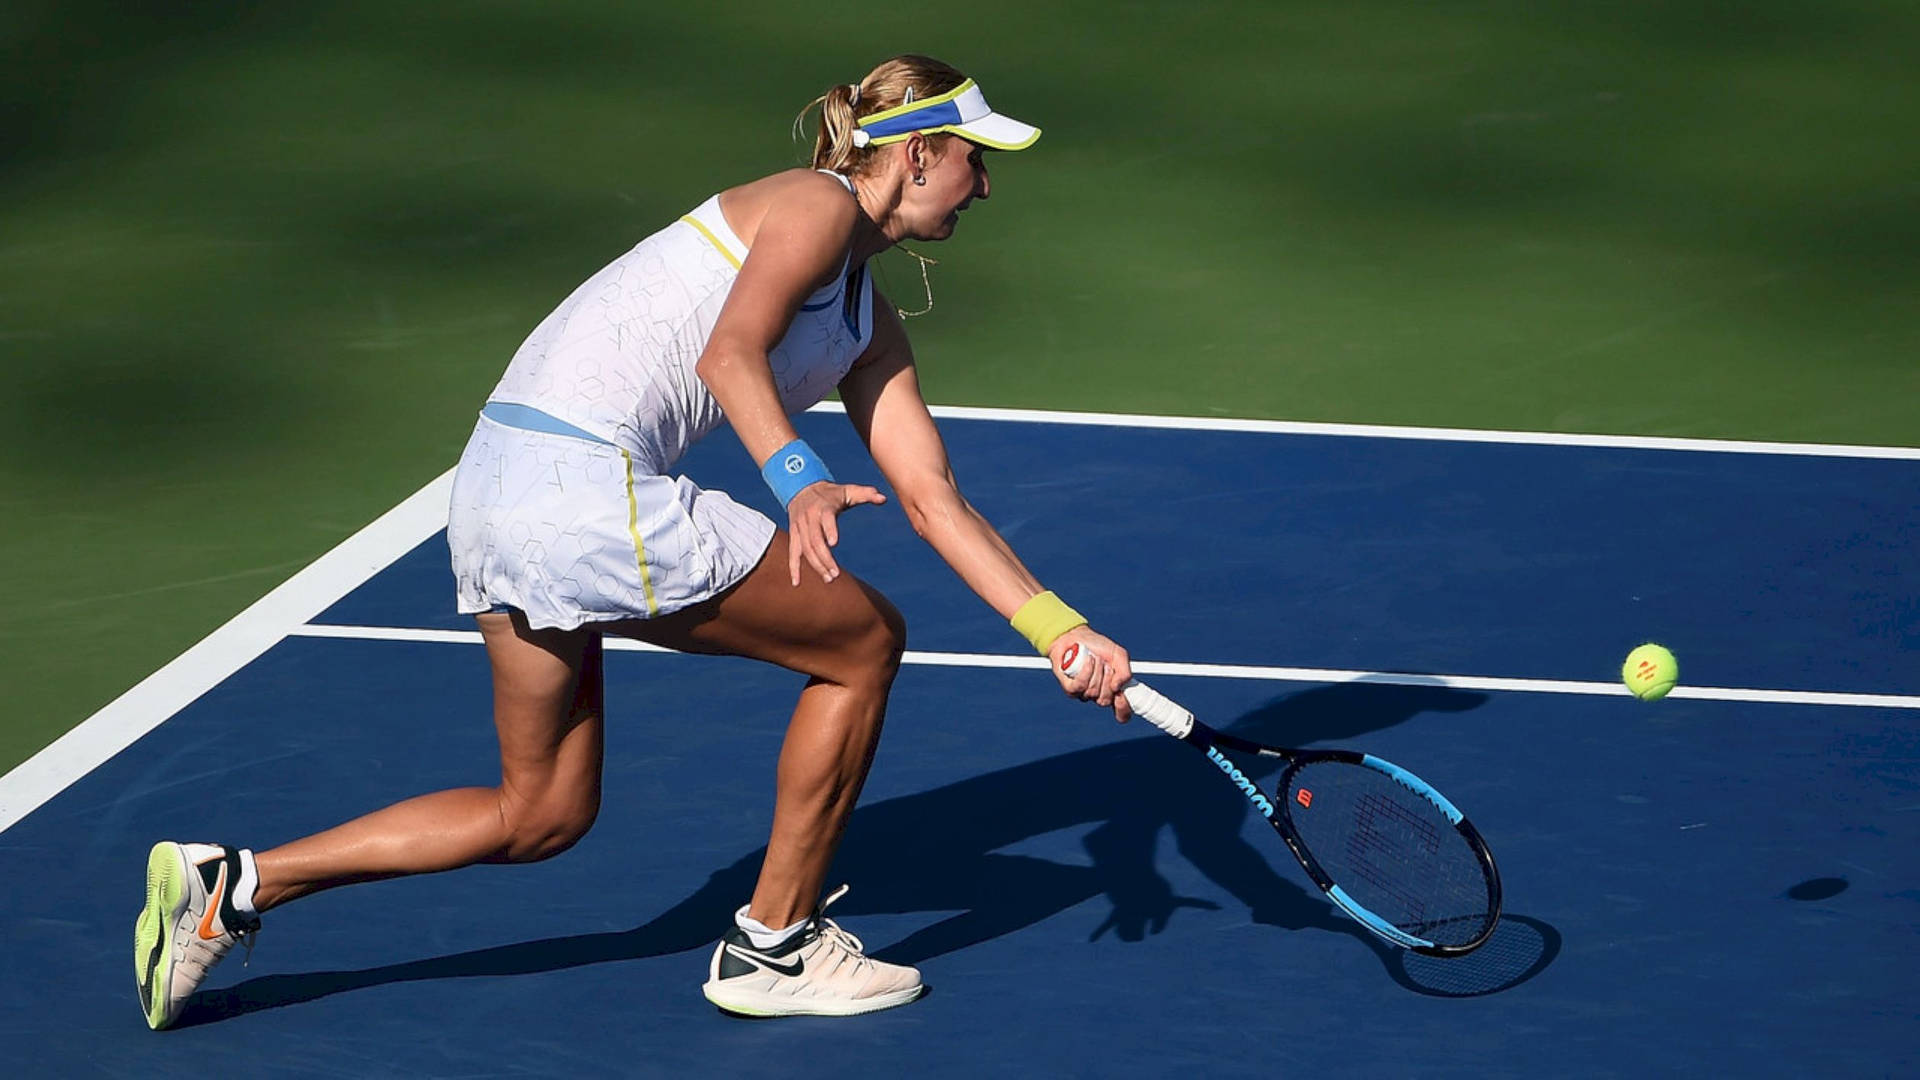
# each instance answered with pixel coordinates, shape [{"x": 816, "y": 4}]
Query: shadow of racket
[{"x": 1521, "y": 947}]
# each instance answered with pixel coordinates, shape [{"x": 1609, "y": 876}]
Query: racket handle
[{"x": 1157, "y": 708}]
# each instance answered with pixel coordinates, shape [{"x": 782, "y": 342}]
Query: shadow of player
[{"x": 945, "y": 850}]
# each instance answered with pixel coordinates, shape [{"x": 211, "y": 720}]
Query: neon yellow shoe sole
[{"x": 153, "y": 932}]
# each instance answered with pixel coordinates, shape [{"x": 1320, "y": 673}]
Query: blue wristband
[{"x": 792, "y": 467}]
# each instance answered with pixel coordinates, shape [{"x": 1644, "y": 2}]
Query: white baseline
[{"x": 1227, "y": 671}]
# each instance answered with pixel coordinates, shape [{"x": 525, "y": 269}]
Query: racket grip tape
[{"x": 1158, "y": 710}]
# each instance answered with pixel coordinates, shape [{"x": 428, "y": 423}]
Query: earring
[{"x": 919, "y": 181}]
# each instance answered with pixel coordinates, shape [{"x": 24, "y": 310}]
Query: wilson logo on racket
[
  {"x": 1246, "y": 786},
  {"x": 1303, "y": 797}
]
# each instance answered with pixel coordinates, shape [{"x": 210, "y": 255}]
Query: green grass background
[{"x": 261, "y": 262}]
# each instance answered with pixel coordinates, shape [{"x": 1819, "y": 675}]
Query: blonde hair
[{"x": 885, "y": 87}]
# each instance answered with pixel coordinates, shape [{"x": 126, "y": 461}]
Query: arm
[
  {"x": 798, "y": 247},
  {"x": 883, "y": 400}
]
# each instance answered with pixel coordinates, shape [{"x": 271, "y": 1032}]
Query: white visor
[{"x": 963, "y": 111}]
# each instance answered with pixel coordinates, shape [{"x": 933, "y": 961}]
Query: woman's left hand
[{"x": 813, "y": 521}]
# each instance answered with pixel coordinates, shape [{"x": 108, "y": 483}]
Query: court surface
[{"x": 1726, "y": 882}]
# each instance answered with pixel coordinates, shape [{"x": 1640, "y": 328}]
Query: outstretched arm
[{"x": 883, "y": 400}]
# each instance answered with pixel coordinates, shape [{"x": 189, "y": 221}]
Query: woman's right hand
[
  {"x": 1106, "y": 670},
  {"x": 813, "y": 522}
]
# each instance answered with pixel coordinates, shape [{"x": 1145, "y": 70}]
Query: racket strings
[
  {"x": 1385, "y": 834},
  {"x": 1391, "y": 850}
]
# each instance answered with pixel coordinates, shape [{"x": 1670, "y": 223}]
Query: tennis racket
[{"x": 1380, "y": 842}]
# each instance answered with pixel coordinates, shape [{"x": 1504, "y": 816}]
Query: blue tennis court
[{"x": 1726, "y": 882}]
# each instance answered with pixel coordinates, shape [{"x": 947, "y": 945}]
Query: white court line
[
  {"x": 235, "y": 645},
  {"x": 1433, "y": 434},
  {"x": 1226, "y": 671},
  {"x": 252, "y": 632}
]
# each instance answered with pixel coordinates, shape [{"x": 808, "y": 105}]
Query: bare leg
[
  {"x": 548, "y": 708},
  {"x": 848, "y": 638}
]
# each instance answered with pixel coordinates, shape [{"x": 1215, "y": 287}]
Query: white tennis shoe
[
  {"x": 188, "y": 925},
  {"x": 820, "y": 971}
]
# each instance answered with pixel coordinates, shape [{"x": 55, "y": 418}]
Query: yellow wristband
[{"x": 1044, "y": 618}]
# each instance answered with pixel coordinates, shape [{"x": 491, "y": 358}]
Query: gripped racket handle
[{"x": 1157, "y": 708}]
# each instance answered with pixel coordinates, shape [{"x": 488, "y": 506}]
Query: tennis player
[{"x": 568, "y": 523}]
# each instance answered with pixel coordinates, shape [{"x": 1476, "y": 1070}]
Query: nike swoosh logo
[
  {"x": 792, "y": 970},
  {"x": 219, "y": 893}
]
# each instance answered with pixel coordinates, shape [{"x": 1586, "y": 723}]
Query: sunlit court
[{"x": 1723, "y": 874}]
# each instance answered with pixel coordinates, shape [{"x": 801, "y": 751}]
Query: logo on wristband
[{"x": 790, "y": 469}]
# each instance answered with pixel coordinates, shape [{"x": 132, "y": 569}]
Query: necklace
[{"x": 926, "y": 281}]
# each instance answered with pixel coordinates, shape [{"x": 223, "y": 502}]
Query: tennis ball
[{"x": 1650, "y": 671}]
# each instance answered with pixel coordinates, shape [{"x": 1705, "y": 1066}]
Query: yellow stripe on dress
[
  {"x": 712, "y": 239},
  {"x": 633, "y": 527}
]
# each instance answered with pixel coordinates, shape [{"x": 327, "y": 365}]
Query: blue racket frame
[{"x": 1277, "y": 810}]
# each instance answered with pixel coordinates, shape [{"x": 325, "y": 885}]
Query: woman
[{"x": 567, "y": 524}]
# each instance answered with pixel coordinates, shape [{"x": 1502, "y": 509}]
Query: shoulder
[
  {"x": 799, "y": 183},
  {"x": 799, "y": 199},
  {"x": 804, "y": 193}
]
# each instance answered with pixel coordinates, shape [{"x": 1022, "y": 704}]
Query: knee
[
  {"x": 546, "y": 827},
  {"x": 881, "y": 641}
]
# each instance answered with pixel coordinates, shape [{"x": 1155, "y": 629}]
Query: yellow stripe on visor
[{"x": 963, "y": 111}]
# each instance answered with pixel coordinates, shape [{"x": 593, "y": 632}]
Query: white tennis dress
[{"x": 564, "y": 505}]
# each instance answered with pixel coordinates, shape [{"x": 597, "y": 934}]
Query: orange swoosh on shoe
[{"x": 219, "y": 893}]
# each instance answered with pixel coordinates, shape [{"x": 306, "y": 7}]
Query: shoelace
[
  {"x": 845, "y": 941},
  {"x": 830, "y": 931}
]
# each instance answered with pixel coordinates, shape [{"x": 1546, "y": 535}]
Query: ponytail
[{"x": 833, "y": 140}]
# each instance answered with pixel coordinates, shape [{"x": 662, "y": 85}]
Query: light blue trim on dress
[{"x": 528, "y": 418}]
